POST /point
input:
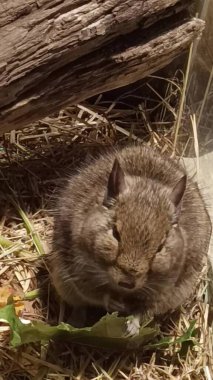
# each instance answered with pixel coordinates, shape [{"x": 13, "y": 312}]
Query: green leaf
[
  {"x": 108, "y": 332},
  {"x": 187, "y": 337}
]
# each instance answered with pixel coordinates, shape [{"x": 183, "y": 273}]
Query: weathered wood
[
  {"x": 50, "y": 38},
  {"x": 52, "y": 51}
]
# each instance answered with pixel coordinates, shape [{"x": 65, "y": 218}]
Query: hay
[{"x": 34, "y": 162}]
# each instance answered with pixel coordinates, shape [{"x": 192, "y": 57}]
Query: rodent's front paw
[
  {"x": 133, "y": 326},
  {"x": 112, "y": 305}
]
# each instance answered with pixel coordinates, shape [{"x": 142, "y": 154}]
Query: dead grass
[{"x": 34, "y": 162}]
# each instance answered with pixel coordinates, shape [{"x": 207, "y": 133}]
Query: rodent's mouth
[{"x": 124, "y": 290}]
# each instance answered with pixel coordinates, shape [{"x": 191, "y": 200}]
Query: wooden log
[{"x": 55, "y": 53}]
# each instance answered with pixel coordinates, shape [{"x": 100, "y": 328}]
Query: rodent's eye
[
  {"x": 161, "y": 244},
  {"x": 115, "y": 233},
  {"x": 163, "y": 241},
  {"x": 160, "y": 247}
]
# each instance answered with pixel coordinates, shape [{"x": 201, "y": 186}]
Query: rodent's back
[
  {"x": 141, "y": 161},
  {"x": 87, "y": 187}
]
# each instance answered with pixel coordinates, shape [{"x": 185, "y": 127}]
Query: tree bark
[{"x": 55, "y": 53}]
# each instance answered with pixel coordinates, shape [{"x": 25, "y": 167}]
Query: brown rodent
[{"x": 131, "y": 234}]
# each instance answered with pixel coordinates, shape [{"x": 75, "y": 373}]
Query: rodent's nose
[{"x": 130, "y": 284}]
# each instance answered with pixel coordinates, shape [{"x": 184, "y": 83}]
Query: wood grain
[{"x": 55, "y": 53}]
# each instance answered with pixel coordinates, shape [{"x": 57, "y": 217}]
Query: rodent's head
[{"x": 135, "y": 233}]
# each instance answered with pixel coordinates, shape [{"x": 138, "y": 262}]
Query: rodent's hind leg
[
  {"x": 61, "y": 311},
  {"x": 78, "y": 316}
]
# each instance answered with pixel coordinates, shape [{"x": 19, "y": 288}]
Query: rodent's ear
[
  {"x": 116, "y": 182},
  {"x": 178, "y": 191}
]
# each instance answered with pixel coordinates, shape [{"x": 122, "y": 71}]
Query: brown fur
[{"x": 163, "y": 239}]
